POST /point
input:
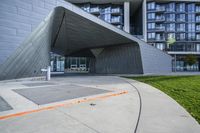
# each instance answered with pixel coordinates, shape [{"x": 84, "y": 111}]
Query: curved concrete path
[
  {"x": 161, "y": 114},
  {"x": 108, "y": 114}
]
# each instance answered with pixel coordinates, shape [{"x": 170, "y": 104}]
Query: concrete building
[{"x": 106, "y": 32}]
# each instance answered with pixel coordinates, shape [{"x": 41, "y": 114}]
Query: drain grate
[{"x": 50, "y": 94}]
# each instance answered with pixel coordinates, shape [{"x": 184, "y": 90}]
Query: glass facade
[{"x": 179, "y": 20}]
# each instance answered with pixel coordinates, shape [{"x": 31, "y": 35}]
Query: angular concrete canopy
[{"x": 71, "y": 31}]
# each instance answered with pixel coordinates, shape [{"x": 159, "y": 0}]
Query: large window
[
  {"x": 180, "y": 17},
  {"x": 198, "y": 28},
  {"x": 160, "y": 46},
  {"x": 191, "y": 7},
  {"x": 151, "y": 5},
  {"x": 180, "y": 27},
  {"x": 198, "y": 18},
  {"x": 170, "y": 7},
  {"x": 151, "y": 16},
  {"x": 151, "y": 35},
  {"x": 198, "y": 47},
  {"x": 180, "y": 36},
  {"x": 151, "y": 26},
  {"x": 191, "y": 17},
  {"x": 198, "y": 36},
  {"x": 170, "y": 17},
  {"x": 191, "y": 27},
  {"x": 180, "y": 7},
  {"x": 171, "y": 27},
  {"x": 191, "y": 36}
]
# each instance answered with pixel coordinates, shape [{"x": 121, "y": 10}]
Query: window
[
  {"x": 191, "y": 36},
  {"x": 160, "y": 46},
  {"x": 151, "y": 16},
  {"x": 191, "y": 17},
  {"x": 197, "y": 18},
  {"x": 198, "y": 27},
  {"x": 151, "y": 26},
  {"x": 180, "y": 36},
  {"x": 198, "y": 36},
  {"x": 151, "y": 5},
  {"x": 180, "y": 27},
  {"x": 180, "y": 7},
  {"x": 191, "y": 7},
  {"x": 198, "y": 47},
  {"x": 171, "y": 35},
  {"x": 151, "y": 35},
  {"x": 197, "y": 8},
  {"x": 171, "y": 27},
  {"x": 191, "y": 27},
  {"x": 180, "y": 17},
  {"x": 171, "y": 7},
  {"x": 170, "y": 17}
]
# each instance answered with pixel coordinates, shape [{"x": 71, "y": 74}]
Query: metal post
[
  {"x": 175, "y": 63},
  {"x": 48, "y": 76}
]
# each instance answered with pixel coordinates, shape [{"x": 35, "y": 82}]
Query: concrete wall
[{"x": 18, "y": 18}]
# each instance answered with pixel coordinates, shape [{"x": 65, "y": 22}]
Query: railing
[
  {"x": 180, "y": 19},
  {"x": 160, "y": 28},
  {"x": 160, "y": 8},
  {"x": 116, "y": 10},
  {"x": 160, "y": 19},
  {"x": 94, "y": 10},
  {"x": 116, "y": 20}
]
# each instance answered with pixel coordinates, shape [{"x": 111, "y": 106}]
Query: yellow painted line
[{"x": 72, "y": 102}]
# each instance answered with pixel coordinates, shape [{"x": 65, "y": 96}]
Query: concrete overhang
[{"x": 80, "y": 30}]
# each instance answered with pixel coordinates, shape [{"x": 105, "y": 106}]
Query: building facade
[
  {"x": 179, "y": 20},
  {"x": 99, "y": 36}
]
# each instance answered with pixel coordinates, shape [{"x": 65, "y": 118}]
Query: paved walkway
[{"x": 90, "y": 104}]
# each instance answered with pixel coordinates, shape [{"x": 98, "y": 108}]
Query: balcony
[
  {"x": 160, "y": 28},
  {"x": 116, "y": 20},
  {"x": 116, "y": 11},
  {"x": 159, "y": 39},
  {"x": 180, "y": 20},
  {"x": 160, "y": 9},
  {"x": 95, "y": 10},
  {"x": 160, "y": 18},
  {"x": 180, "y": 30}
]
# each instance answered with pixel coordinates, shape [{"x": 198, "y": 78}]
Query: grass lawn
[{"x": 184, "y": 89}]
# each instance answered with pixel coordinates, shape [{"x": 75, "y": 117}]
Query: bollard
[
  {"x": 48, "y": 76},
  {"x": 48, "y": 73}
]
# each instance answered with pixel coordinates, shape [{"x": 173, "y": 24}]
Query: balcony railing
[
  {"x": 160, "y": 18},
  {"x": 116, "y": 20},
  {"x": 180, "y": 20},
  {"x": 116, "y": 10},
  {"x": 160, "y": 9},
  {"x": 160, "y": 28},
  {"x": 95, "y": 10}
]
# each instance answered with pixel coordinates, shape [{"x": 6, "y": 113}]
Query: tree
[
  {"x": 170, "y": 41},
  {"x": 190, "y": 59}
]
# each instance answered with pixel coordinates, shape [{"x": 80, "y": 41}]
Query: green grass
[{"x": 184, "y": 89}]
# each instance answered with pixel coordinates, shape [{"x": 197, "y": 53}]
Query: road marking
[{"x": 72, "y": 102}]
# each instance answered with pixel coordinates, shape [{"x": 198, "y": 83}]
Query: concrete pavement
[{"x": 116, "y": 109}]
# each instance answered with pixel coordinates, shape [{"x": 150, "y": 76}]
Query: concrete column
[
  {"x": 144, "y": 19},
  {"x": 127, "y": 17}
]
